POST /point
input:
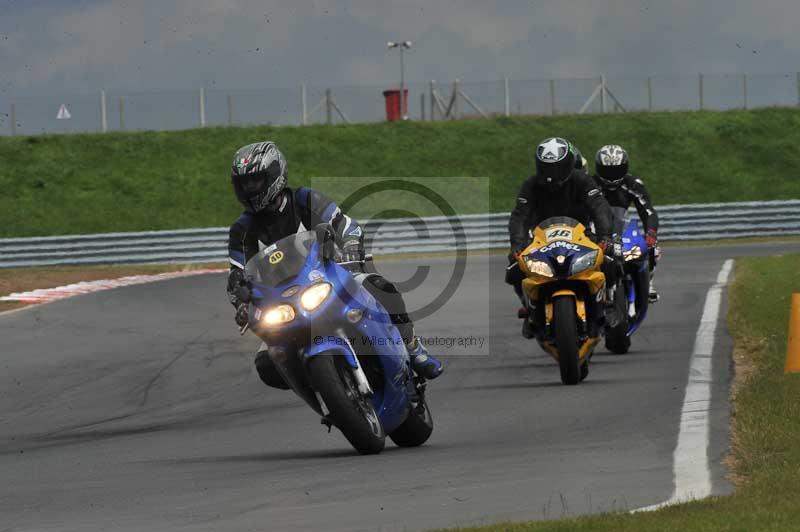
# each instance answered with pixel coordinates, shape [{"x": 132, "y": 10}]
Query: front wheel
[
  {"x": 617, "y": 339},
  {"x": 417, "y": 427},
  {"x": 351, "y": 412},
  {"x": 566, "y": 329}
]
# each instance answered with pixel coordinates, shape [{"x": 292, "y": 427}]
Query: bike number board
[
  {"x": 276, "y": 257},
  {"x": 558, "y": 233}
]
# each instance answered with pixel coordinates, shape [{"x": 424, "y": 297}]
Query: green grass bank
[
  {"x": 164, "y": 180},
  {"x": 765, "y": 460}
]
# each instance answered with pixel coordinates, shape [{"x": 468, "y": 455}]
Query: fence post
[
  {"x": 508, "y": 98},
  {"x": 650, "y": 93},
  {"x": 328, "y": 107},
  {"x": 202, "y": 107},
  {"x": 422, "y": 106},
  {"x": 456, "y": 90},
  {"x": 303, "y": 105},
  {"x": 13, "y": 118},
  {"x": 122, "y": 112},
  {"x": 744, "y": 89},
  {"x": 603, "y": 105},
  {"x": 431, "y": 97},
  {"x": 798, "y": 88},
  {"x": 552, "y": 97},
  {"x": 229, "y": 101},
  {"x": 103, "y": 115},
  {"x": 700, "y": 87}
]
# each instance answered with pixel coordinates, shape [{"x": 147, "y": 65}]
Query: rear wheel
[
  {"x": 566, "y": 330},
  {"x": 350, "y": 410},
  {"x": 417, "y": 427}
]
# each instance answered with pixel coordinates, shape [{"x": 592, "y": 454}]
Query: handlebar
[{"x": 367, "y": 258}]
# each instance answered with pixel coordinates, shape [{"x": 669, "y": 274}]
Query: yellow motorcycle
[{"x": 564, "y": 291}]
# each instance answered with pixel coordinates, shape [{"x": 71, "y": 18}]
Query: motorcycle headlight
[
  {"x": 634, "y": 253},
  {"x": 279, "y": 315},
  {"x": 583, "y": 262},
  {"x": 314, "y": 295},
  {"x": 539, "y": 267}
]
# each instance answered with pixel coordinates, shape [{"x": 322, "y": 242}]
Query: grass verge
[
  {"x": 63, "y": 184},
  {"x": 765, "y": 458}
]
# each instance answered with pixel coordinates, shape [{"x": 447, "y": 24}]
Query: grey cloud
[{"x": 147, "y": 45}]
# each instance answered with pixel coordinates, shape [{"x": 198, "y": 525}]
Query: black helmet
[
  {"x": 611, "y": 165},
  {"x": 258, "y": 175},
  {"x": 555, "y": 161}
]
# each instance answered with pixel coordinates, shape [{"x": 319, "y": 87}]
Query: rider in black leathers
[
  {"x": 272, "y": 212},
  {"x": 621, "y": 189},
  {"x": 559, "y": 189}
]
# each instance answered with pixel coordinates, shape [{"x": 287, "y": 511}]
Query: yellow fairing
[
  {"x": 585, "y": 350},
  {"x": 592, "y": 277}
]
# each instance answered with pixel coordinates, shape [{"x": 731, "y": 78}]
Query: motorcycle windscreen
[
  {"x": 282, "y": 260},
  {"x": 619, "y": 216},
  {"x": 558, "y": 220}
]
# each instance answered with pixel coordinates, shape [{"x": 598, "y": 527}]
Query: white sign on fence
[{"x": 63, "y": 113}]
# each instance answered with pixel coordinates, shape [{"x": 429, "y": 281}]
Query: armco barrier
[{"x": 475, "y": 232}]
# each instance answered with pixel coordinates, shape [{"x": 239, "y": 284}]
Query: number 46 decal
[{"x": 558, "y": 233}]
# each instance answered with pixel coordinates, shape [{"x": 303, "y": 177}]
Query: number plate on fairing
[{"x": 558, "y": 233}]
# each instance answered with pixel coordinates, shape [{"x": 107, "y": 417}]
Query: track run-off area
[{"x": 139, "y": 408}]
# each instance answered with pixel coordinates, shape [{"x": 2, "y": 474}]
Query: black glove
[
  {"x": 612, "y": 248},
  {"x": 242, "y": 317},
  {"x": 651, "y": 238},
  {"x": 238, "y": 287},
  {"x": 355, "y": 256}
]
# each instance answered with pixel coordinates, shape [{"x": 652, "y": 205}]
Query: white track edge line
[{"x": 691, "y": 470}]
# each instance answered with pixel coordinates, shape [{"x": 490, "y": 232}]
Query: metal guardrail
[{"x": 475, "y": 232}]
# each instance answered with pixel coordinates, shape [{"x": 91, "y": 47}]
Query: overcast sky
[{"x": 84, "y": 45}]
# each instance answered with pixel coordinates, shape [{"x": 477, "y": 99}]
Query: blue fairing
[
  {"x": 636, "y": 273},
  {"x": 327, "y": 330}
]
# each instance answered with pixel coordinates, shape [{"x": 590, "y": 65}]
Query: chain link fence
[{"x": 175, "y": 110}]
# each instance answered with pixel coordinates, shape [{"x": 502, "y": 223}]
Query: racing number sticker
[
  {"x": 558, "y": 233},
  {"x": 276, "y": 257}
]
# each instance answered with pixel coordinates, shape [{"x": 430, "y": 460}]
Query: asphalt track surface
[{"x": 139, "y": 409}]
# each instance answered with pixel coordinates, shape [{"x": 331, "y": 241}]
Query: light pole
[{"x": 404, "y": 45}]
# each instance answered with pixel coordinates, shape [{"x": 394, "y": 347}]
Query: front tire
[
  {"x": 617, "y": 340},
  {"x": 351, "y": 412},
  {"x": 566, "y": 332},
  {"x": 416, "y": 429}
]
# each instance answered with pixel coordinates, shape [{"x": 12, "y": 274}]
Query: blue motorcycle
[
  {"x": 334, "y": 344},
  {"x": 636, "y": 257}
]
